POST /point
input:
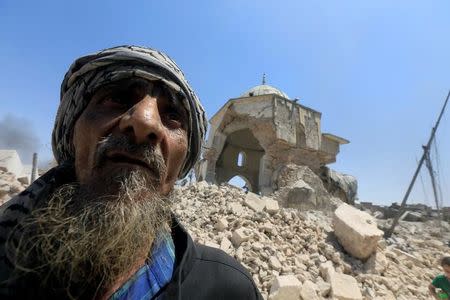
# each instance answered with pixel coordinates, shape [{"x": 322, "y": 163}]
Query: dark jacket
[{"x": 203, "y": 272}]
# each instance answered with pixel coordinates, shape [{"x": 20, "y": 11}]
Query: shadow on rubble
[{"x": 341, "y": 258}]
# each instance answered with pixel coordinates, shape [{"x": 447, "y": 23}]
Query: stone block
[
  {"x": 10, "y": 161},
  {"x": 275, "y": 263},
  {"x": 378, "y": 215},
  {"x": 271, "y": 206},
  {"x": 377, "y": 263},
  {"x": 326, "y": 270},
  {"x": 254, "y": 202},
  {"x": 411, "y": 216},
  {"x": 344, "y": 287},
  {"x": 286, "y": 287},
  {"x": 225, "y": 244},
  {"x": 4, "y": 188},
  {"x": 323, "y": 288},
  {"x": 201, "y": 185},
  {"x": 308, "y": 291},
  {"x": 301, "y": 196},
  {"x": 212, "y": 244},
  {"x": 221, "y": 225},
  {"x": 24, "y": 180},
  {"x": 356, "y": 231},
  {"x": 236, "y": 208},
  {"x": 239, "y": 236}
]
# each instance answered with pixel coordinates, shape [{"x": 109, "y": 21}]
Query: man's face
[
  {"x": 126, "y": 110},
  {"x": 446, "y": 271}
]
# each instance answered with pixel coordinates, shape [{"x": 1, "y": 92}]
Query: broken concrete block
[
  {"x": 10, "y": 160},
  {"x": 4, "y": 188},
  {"x": 201, "y": 185},
  {"x": 268, "y": 227},
  {"x": 257, "y": 246},
  {"x": 235, "y": 208},
  {"x": 221, "y": 225},
  {"x": 377, "y": 263},
  {"x": 378, "y": 215},
  {"x": 356, "y": 231},
  {"x": 301, "y": 196},
  {"x": 24, "y": 180},
  {"x": 239, "y": 236},
  {"x": 308, "y": 291},
  {"x": 225, "y": 244},
  {"x": 15, "y": 187},
  {"x": 275, "y": 263},
  {"x": 326, "y": 270},
  {"x": 240, "y": 253},
  {"x": 271, "y": 206},
  {"x": 212, "y": 244},
  {"x": 436, "y": 244},
  {"x": 254, "y": 202},
  {"x": 344, "y": 287},
  {"x": 412, "y": 216},
  {"x": 285, "y": 288},
  {"x": 323, "y": 288}
]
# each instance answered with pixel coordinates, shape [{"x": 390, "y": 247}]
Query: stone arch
[
  {"x": 240, "y": 141},
  {"x": 244, "y": 179}
]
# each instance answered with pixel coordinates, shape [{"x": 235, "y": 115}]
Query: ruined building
[{"x": 256, "y": 134}]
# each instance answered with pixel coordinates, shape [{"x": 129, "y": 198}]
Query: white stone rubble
[
  {"x": 291, "y": 253},
  {"x": 356, "y": 231},
  {"x": 303, "y": 245}
]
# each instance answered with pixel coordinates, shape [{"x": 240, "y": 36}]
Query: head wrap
[{"x": 90, "y": 72}]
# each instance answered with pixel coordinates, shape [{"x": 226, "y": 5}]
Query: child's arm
[{"x": 432, "y": 290}]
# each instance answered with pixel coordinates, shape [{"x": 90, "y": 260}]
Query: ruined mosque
[{"x": 256, "y": 134}]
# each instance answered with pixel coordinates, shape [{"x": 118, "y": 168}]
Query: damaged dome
[{"x": 264, "y": 89}]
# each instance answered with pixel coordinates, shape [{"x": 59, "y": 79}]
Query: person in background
[{"x": 442, "y": 282}]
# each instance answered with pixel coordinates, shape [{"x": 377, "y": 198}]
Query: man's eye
[
  {"x": 173, "y": 115},
  {"x": 114, "y": 101},
  {"x": 173, "y": 118}
]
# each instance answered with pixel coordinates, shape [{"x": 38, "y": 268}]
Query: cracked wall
[{"x": 272, "y": 131}]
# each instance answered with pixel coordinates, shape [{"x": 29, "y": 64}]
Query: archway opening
[
  {"x": 241, "y": 155},
  {"x": 240, "y": 182}
]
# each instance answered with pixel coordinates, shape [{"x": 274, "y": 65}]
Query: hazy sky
[{"x": 377, "y": 70}]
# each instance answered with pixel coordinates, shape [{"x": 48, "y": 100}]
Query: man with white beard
[{"x": 99, "y": 225}]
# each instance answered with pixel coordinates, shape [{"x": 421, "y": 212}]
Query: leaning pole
[{"x": 419, "y": 166}]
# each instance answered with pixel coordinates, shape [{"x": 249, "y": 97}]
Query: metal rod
[{"x": 408, "y": 191}]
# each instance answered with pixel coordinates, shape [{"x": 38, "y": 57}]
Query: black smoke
[{"x": 18, "y": 134}]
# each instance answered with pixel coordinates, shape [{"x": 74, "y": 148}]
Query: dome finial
[{"x": 264, "y": 79}]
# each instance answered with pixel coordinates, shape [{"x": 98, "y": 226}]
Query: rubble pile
[
  {"x": 294, "y": 254},
  {"x": 10, "y": 185}
]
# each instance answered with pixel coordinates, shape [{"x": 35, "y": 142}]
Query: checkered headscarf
[{"x": 90, "y": 72}]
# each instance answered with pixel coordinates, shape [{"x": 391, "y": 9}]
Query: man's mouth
[{"x": 117, "y": 157}]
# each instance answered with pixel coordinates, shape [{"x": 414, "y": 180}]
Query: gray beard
[{"x": 83, "y": 240}]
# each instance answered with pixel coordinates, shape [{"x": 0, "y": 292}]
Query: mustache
[{"x": 148, "y": 154}]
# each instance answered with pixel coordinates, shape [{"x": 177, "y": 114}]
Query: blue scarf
[{"x": 154, "y": 275}]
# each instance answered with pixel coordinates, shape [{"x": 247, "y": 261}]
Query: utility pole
[
  {"x": 433, "y": 183},
  {"x": 419, "y": 166},
  {"x": 34, "y": 168}
]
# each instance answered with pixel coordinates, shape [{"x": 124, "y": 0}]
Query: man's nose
[{"x": 142, "y": 122}]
